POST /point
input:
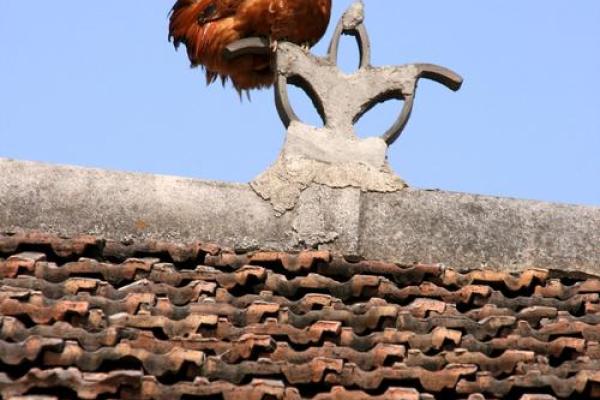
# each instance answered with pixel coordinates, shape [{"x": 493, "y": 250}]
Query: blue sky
[{"x": 97, "y": 84}]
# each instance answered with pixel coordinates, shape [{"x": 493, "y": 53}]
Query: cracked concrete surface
[{"x": 317, "y": 156}]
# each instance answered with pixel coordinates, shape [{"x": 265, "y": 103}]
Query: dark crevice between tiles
[
  {"x": 124, "y": 363},
  {"x": 517, "y": 393},
  {"x": 66, "y": 393},
  {"x": 26, "y": 320},
  {"x": 15, "y": 372},
  {"x": 90, "y": 251},
  {"x": 567, "y": 354},
  {"x": 526, "y": 291},
  {"x": 60, "y": 392},
  {"x": 164, "y": 257},
  {"x": 97, "y": 253},
  {"x": 277, "y": 267},
  {"x": 187, "y": 373},
  {"x": 569, "y": 277},
  {"x": 326, "y": 337},
  {"x": 253, "y": 285},
  {"x": 205, "y": 397}
]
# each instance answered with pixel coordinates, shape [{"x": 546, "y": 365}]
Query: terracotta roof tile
[{"x": 94, "y": 319}]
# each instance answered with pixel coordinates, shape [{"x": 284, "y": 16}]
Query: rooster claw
[
  {"x": 256, "y": 46},
  {"x": 253, "y": 45}
]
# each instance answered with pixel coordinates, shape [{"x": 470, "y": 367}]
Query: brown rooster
[{"x": 206, "y": 27}]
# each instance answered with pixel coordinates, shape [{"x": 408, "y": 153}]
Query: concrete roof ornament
[{"x": 334, "y": 155}]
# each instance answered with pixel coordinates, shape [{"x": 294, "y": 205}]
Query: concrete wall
[{"x": 460, "y": 230}]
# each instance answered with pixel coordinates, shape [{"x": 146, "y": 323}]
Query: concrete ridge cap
[
  {"x": 108, "y": 171},
  {"x": 58, "y": 167},
  {"x": 530, "y": 201},
  {"x": 457, "y": 229}
]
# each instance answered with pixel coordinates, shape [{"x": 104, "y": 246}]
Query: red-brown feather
[{"x": 298, "y": 21}]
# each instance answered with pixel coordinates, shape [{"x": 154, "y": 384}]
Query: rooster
[{"x": 207, "y": 27}]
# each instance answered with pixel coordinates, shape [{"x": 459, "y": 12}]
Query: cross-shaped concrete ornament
[{"x": 334, "y": 155}]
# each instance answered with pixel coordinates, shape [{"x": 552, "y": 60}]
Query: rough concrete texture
[
  {"x": 460, "y": 230},
  {"x": 354, "y": 16},
  {"x": 71, "y": 200},
  {"x": 344, "y": 97},
  {"x": 319, "y": 156},
  {"x": 471, "y": 231}
]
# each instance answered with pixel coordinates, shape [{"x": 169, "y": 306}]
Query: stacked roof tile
[{"x": 93, "y": 319}]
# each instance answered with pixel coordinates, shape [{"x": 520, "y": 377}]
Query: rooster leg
[
  {"x": 305, "y": 46},
  {"x": 273, "y": 43}
]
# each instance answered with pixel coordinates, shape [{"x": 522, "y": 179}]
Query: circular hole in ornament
[
  {"x": 348, "y": 59},
  {"x": 379, "y": 118},
  {"x": 304, "y": 102}
]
